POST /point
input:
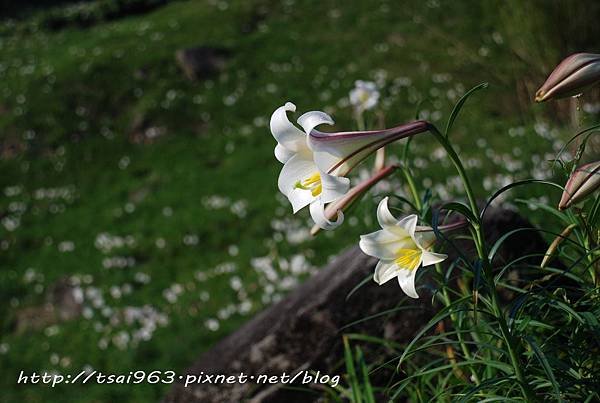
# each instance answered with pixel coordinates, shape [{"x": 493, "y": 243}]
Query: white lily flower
[
  {"x": 401, "y": 247},
  {"x": 364, "y": 95},
  {"x": 316, "y": 163},
  {"x": 300, "y": 179}
]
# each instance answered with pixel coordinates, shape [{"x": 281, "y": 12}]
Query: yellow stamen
[
  {"x": 408, "y": 258},
  {"x": 312, "y": 183}
]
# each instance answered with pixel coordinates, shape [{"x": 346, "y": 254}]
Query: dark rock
[
  {"x": 202, "y": 62},
  {"x": 300, "y": 332},
  {"x": 11, "y": 146},
  {"x": 142, "y": 131},
  {"x": 304, "y": 330},
  {"x": 66, "y": 300},
  {"x": 63, "y": 303},
  {"x": 34, "y": 318}
]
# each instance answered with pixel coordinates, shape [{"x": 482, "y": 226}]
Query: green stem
[
  {"x": 481, "y": 251},
  {"x": 360, "y": 120},
  {"x": 463, "y": 346},
  {"x": 411, "y": 186}
]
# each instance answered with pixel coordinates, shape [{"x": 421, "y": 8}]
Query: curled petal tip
[
  {"x": 341, "y": 204},
  {"x": 288, "y": 136},
  {"x": 317, "y": 212},
  {"x": 312, "y": 119}
]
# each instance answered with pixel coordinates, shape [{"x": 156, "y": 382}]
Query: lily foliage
[{"x": 522, "y": 329}]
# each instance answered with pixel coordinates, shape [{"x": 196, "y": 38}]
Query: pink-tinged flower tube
[
  {"x": 336, "y": 208},
  {"x": 583, "y": 182},
  {"x": 571, "y": 77},
  {"x": 337, "y": 153}
]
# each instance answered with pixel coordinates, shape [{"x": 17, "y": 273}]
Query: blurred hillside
[{"x": 140, "y": 220}]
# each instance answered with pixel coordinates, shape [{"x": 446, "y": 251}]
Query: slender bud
[
  {"x": 554, "y": 245},
  {"x": 379, "y": 160},
  {"x": 583, "y": 182},
  {"x": 331, "y": 211},
  {"x": 571, "y": 77}
]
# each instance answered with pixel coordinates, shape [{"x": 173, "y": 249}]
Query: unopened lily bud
[
  {"x": 571, "y": 77},
  {"x": 332, "y": 209},
  {"x": 379, "y": 160},
  {"x": 554, "y": 245},
  {"x": 583, "y": 182}
]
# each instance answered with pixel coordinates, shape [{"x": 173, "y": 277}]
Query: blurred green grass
[{"x": 200, "y": 201}]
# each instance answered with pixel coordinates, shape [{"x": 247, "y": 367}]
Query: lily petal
[
  {"x": 383, "y": 244},
  {"x": 295, "y": 169},
  {"x": 312, "y": 119},
  {"x": 406, "y": 279},
  {"x": 317, "y": 212},
  {"x": 283, "y": 154},
  {"x": 285, "y": 132},
  {"x": 409, "y": 224},
  {"x": 333, "y": 187},
  {"x": 424, "y": 238},
  {"x": 402, "y": 228},
  {"x": 384, "y": 216},
  {"x": 430, "y": 258},
  {"x": 300, "y": 198},
  {"x": 384, "y": 272}
]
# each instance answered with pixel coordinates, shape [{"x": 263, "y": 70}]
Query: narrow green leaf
[
  {"x": 546, "y": 366},
  {"x": 359, "y": 286},
  {"x": 507, "y": 369},
  {"x": 443, "y": 313},
  {"x": 368, "y": 389},
  {"x": 484, "y": 385},
  {"x": 514, "y": 185},
  {"x": 352, "y": 378},
  {"x": 462, "y": 209},
  {"x": 382, "y": 313},
  {"x": 457, "y": 108},
  {"x": 543, "y": 206},
  {"x": 588, "y": 130}
]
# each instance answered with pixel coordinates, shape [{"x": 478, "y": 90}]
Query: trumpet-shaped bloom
[
  {"x": 583, "y": 182},
  {"x": 364, "y": 95},
  {"x": 401, "y": 247},
  {"x": 337, "y": 153},
  {"x": 316, "y": 163},
  {"x": 300, "y": 179},
  {"x": 571, "y": 77}
]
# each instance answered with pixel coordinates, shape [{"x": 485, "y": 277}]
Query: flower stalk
[
  {"x": 339, "y": 206},
  {"x": 479, "y": 241}
]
